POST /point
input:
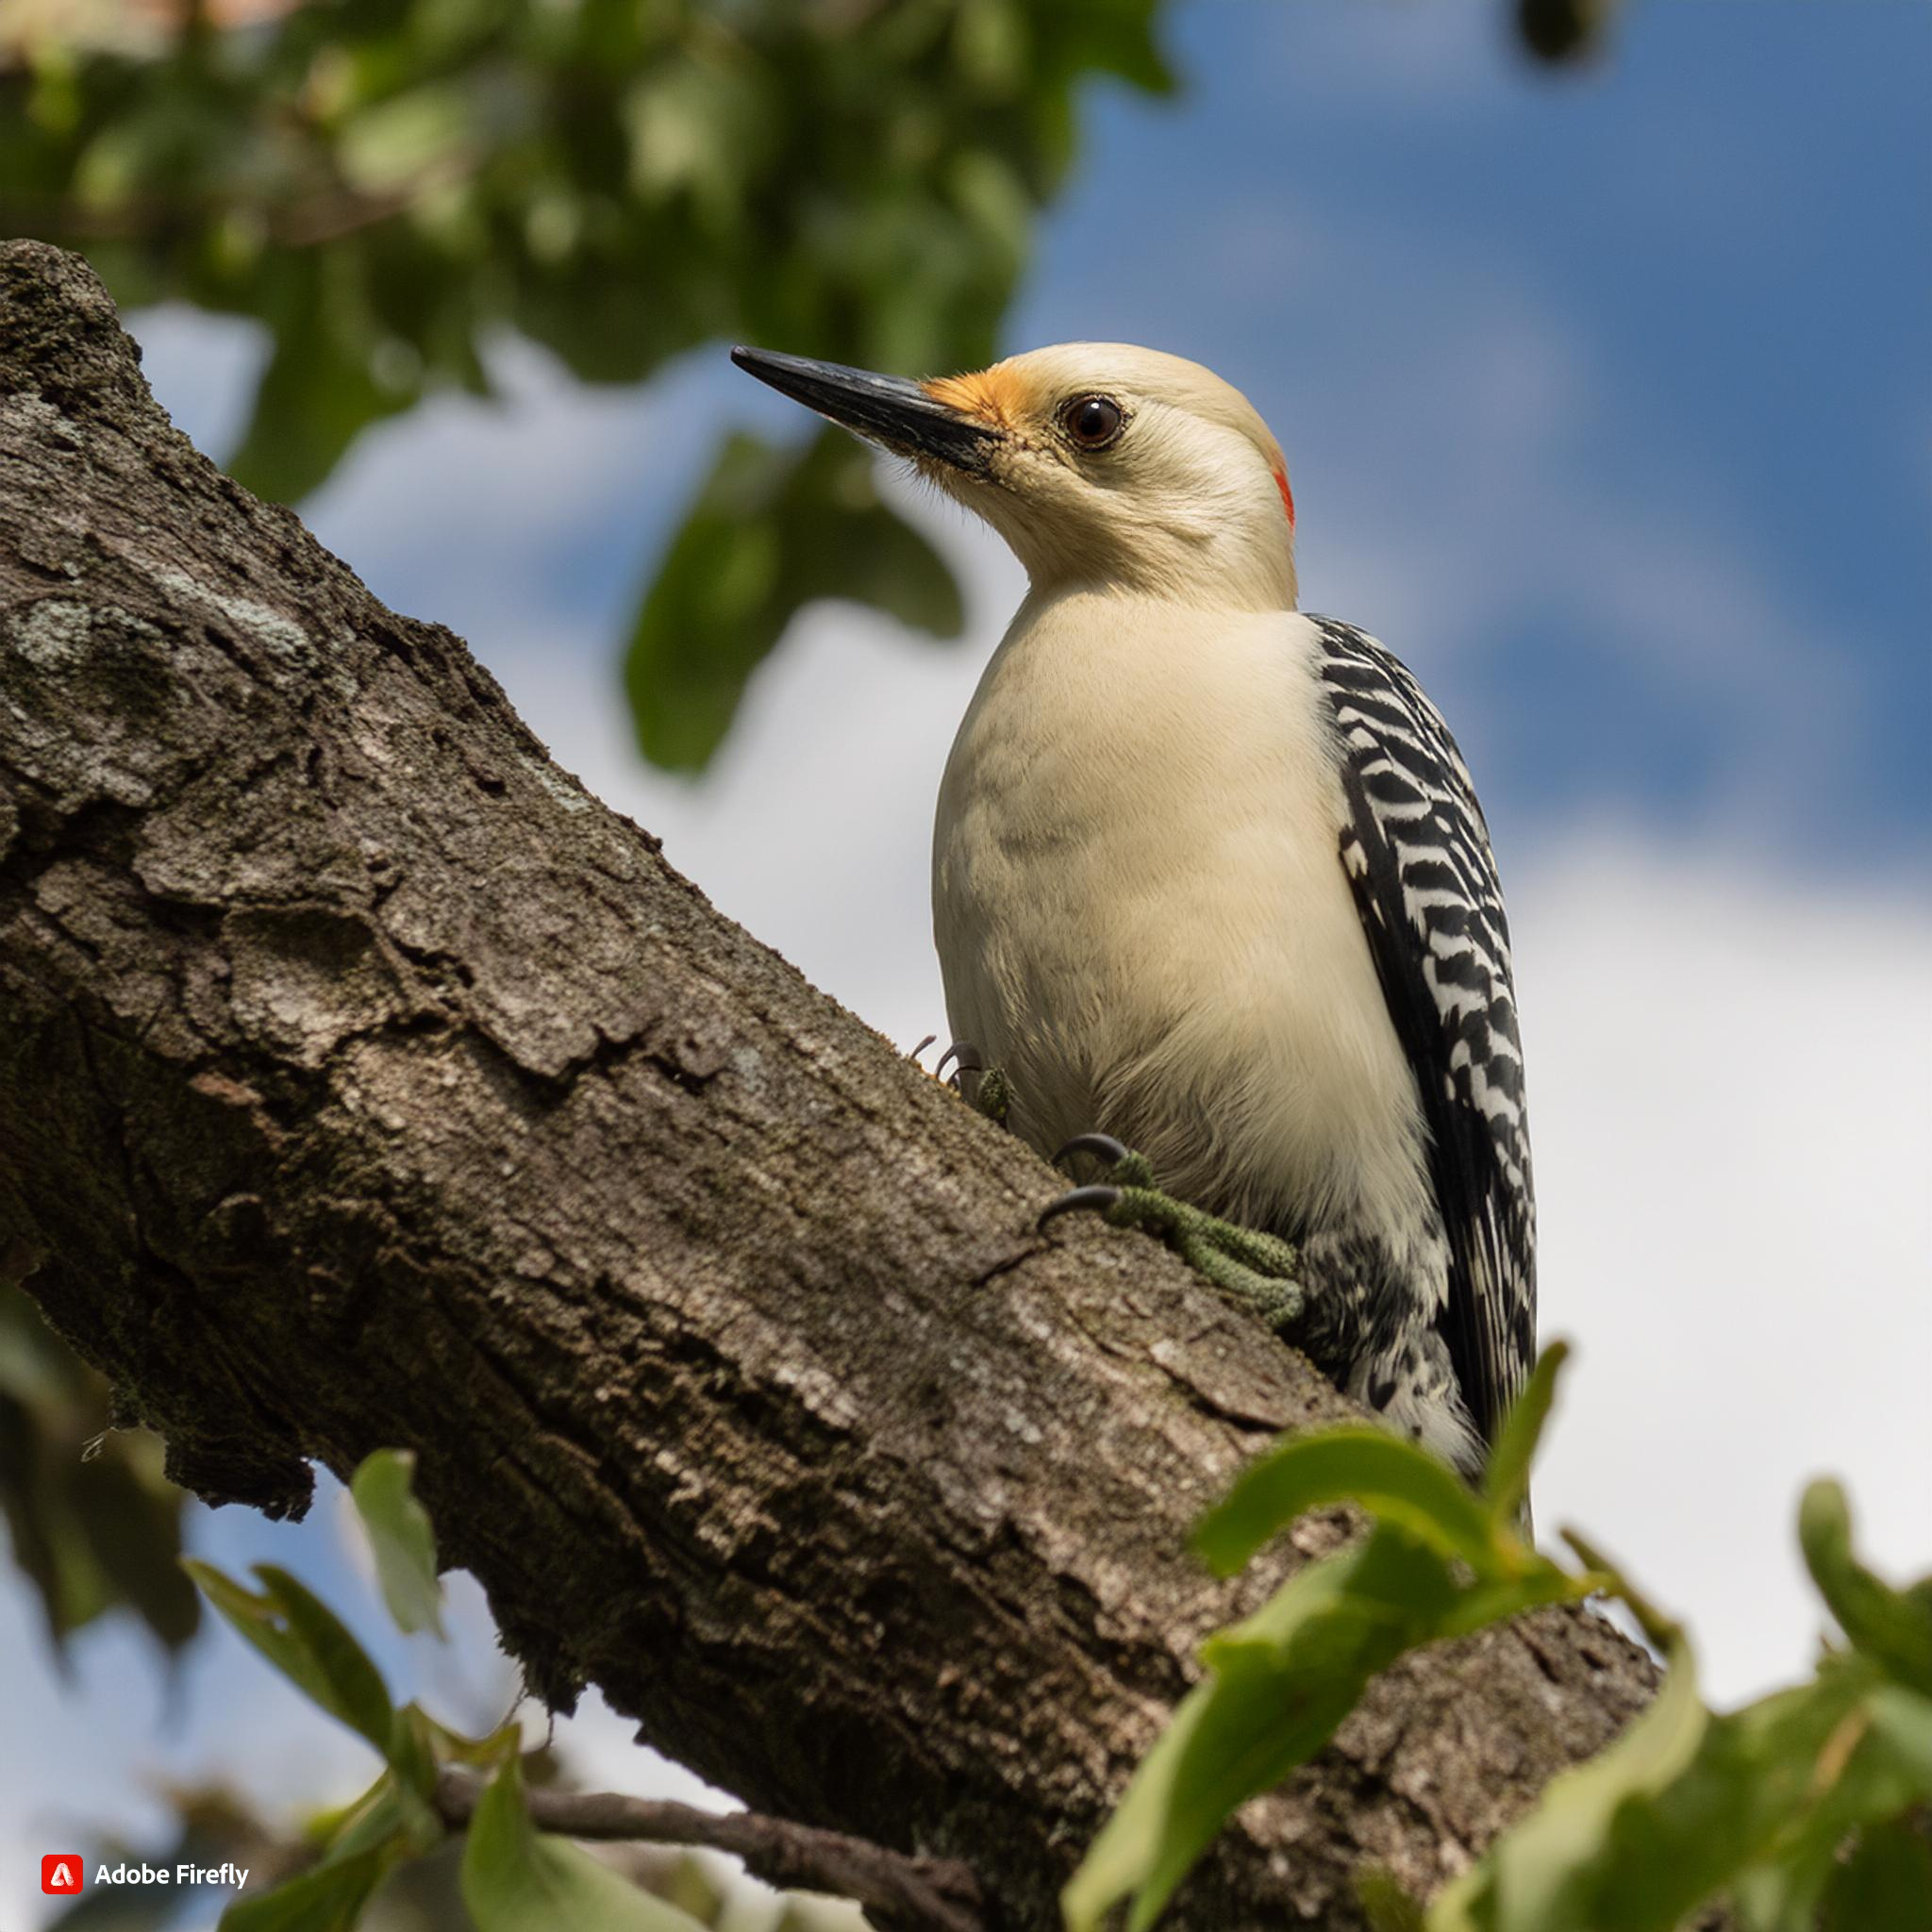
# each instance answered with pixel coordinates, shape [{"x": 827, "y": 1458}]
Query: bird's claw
[
  {"x": 984, "y": 1088},
  {"x": 1131, "y": 1175},
  {"x": 1253, "y": 1266},
  {"x": 1093, "y": 1199},
  {"x": 1103, "y": 1146},
  {"x": 1125, "y": 1169},
  {"x": 963, "y": 1058}
]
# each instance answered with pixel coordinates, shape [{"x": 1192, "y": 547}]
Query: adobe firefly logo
[{"x": 62, "y": 1874}]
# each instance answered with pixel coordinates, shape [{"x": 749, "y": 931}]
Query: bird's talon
[
  {"x": 985, "y": 1090},
  {"x": 1102, "y": 1146},
  {"x": 963, "y": 1058},
  {"x": 1096, "y": 1198},
  {"x": 1125, "y": 1167}
]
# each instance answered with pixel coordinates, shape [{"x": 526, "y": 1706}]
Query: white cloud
[{"x": 1731, "y": 1096}]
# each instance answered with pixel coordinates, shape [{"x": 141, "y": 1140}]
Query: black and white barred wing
[{"x": 1417, "y": 852}]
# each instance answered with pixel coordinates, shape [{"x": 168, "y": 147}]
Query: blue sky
[
  {"x": 1695, "y": 283},
  {"x": 1610, "y": 406}
]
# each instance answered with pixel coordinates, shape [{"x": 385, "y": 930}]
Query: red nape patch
[{"x": 1287, "y": 495}]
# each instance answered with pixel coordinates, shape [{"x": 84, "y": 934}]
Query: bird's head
[{"x": 1101, "y": 464}]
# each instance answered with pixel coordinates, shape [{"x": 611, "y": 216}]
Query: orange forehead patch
[{"x": 995, "y": 395}]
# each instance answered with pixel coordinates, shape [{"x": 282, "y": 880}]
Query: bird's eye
[{"x": 1093, "y": 421}]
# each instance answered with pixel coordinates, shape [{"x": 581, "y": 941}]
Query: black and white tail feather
[{"x": 1417, "y": 852}]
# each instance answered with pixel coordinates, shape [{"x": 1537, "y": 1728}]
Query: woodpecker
[{"x": 1211, "y": 881}]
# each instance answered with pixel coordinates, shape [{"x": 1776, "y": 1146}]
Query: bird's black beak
[{"x": 886, "y": 409}]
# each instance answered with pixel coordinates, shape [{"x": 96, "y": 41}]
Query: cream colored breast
[{"x": 1141, "y": 914}]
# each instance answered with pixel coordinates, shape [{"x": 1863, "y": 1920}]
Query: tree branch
[
  {"x": 364, "y": 1082},
  {"x": 921, "y": 1894}
]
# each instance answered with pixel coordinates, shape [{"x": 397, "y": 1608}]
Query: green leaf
[
  {"x": 91, "y": 1520},
  {"x": 991, "y": 196},
  {"x": 455, "y": 1747},
  {"x": 1901, "y": 1722},
  {"x": 392, "y": 145},
  {"x": 1543, "y": 1874},
  {"x": 314, "y": 399},
  {"x": 989, "y": 45},
  {"x": 43, "y": 1535},
  {"x": 698, "y": 126},
  {"x": 1505, "y": 1482},
  {"x": 329, "y": 1898},
  {"x": 1387, "y": 1903},
  {"x": 1279, "y": 1685},
  {"x": 1735, "y": 1818},
  {"x": 137, "y": 150},
  {"x": 1762, "y": 1810},
  {"x": 360, "y": 1698},
  {"x": 132, "y": 1517},
  {"x": 518, "y": 1879},
  {"x": 412, "y": 1751},
  {"x": 1884, "y": 1885},
  {"x": 320, "y": 389},
  {"x": 1875, "y": 1762},
  {"x": 1893, "y": 1627},
  {"x": 1541, "y": 1584},
  {"x": 400, "y": 1535},
  {"x": 307, "y": 1643},
  {"x": 771, "y": 531},
  {"x": 1393, "y": 1480},
  {"x": 391, "y": 1812},
  {"x": 389, "y": 1823}
]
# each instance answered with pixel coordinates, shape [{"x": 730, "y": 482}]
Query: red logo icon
[{"x": 62, "y": 1873}]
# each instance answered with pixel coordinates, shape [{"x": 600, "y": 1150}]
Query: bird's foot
[
  {"x": 1255, "y": 1268},
  {"x": 984, "y": 1088}
]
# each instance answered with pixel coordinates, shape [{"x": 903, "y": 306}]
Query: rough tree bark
[{"x": 364, "y": 1082}]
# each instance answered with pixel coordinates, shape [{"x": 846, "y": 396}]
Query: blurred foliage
[
  {"x": 424, "y": 1894},
  {"x": 213, "y": 1826},
  {"x": 1564, "y": 31},
  {"x": 92, "y": 1522},
  {"x": 386, "y": 184},
  {"x": 385, "y": 1862},
  {"x": 1806, "y": 1809},
  {"x": 773, "y": 529}
]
